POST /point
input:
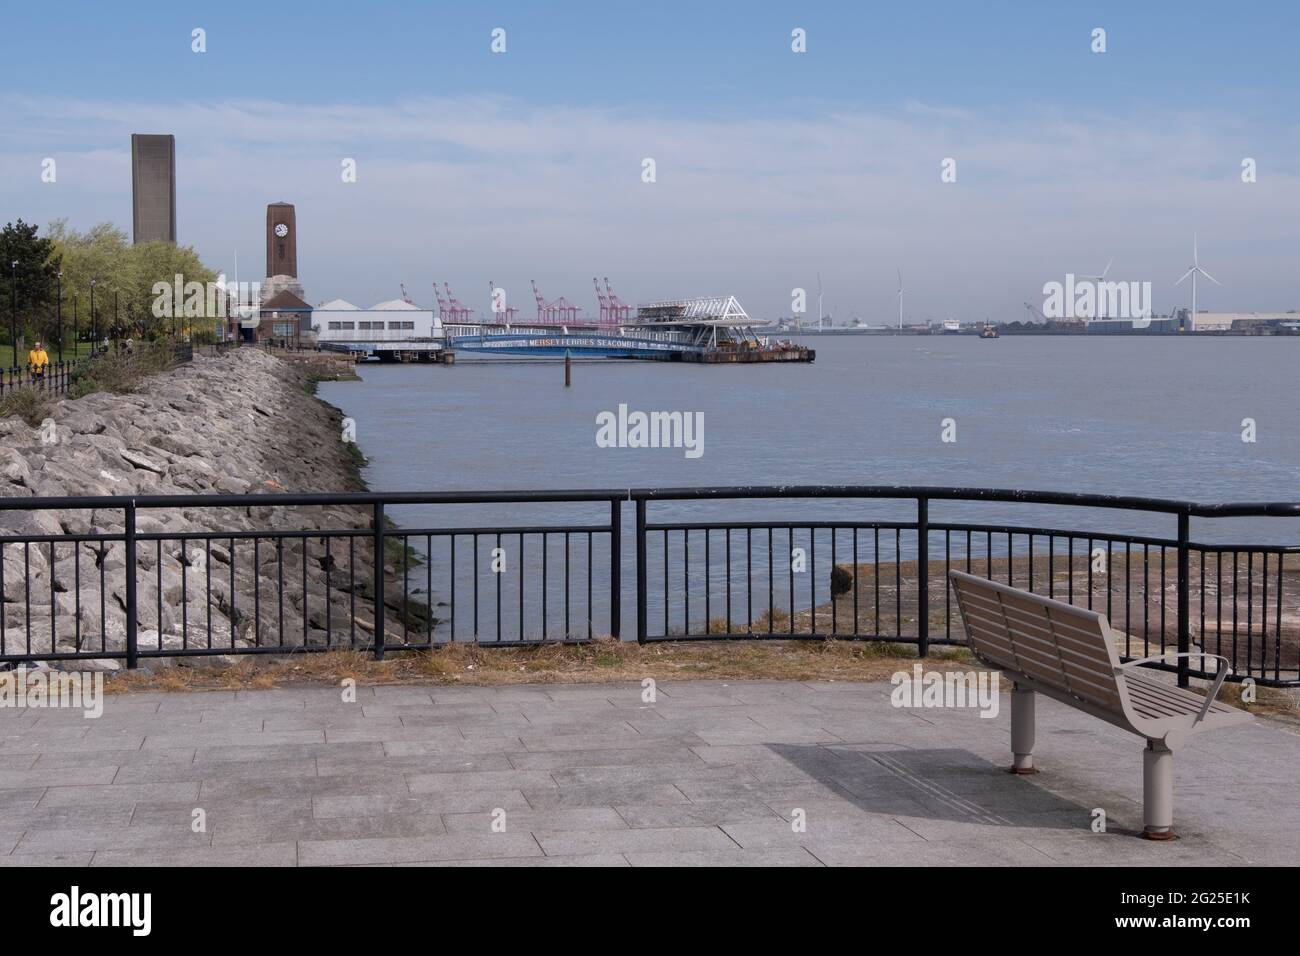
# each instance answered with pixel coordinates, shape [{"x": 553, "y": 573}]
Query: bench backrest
[{"x": 1060, "y": 646}]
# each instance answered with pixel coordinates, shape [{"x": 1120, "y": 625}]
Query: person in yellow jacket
[{"x": 38, "y": 361}]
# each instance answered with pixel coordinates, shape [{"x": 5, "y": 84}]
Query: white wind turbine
[
  {"x": 1099, "y": 279},
  {"x": 901, "y": 290},
  {"x": 1192, "y": 271},
  {"x": 819, "y": 302}
]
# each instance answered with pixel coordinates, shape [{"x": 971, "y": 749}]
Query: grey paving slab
[
  {"x": 443, "y": 801},
  {"x": 651, "y": 794},
  {"x": 414, "y": 849},
  {"x": 479, "y": 780},
  {"x": 117, "y": 795},
  {"x": 57, "y": 858},
  {"x": 562, "y": 842},
  {"x": 793, "y": 856},
  {"x": 598, "y": 859},
  {"x": 219, "y": 788},
  {"x": 695, "y": 814},
  {"x": 56, "y": 777},
  {"x": 659, "y": 757},
  {"x": 271, "y": 810},
  {"x": 73, "y": 839},
  {"x": 265, "y": 854},
  {"x": 583, "y": 818},
  {"x": 251, "y": 831},
  {"x": 712, "y": 774}
]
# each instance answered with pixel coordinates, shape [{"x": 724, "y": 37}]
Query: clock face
[{"x": 281, "y": 230}]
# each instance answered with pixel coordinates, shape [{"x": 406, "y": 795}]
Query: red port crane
[
  {"x": 619, "y": 311},
  {"x": 543, "y": 310},
  {"x": 459, "y": 313},
  {"x": 507, "y": 314},
  {"x": 443, "y": 309},
  {"x": 604, "y": 303},
  {"x": 405, "y": 298}
]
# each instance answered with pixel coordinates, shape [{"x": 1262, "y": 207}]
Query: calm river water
[{"x": 1150, "y": 416}]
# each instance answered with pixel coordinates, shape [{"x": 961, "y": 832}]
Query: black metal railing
[
  {"x": 53, "y": 379},
  {"x": 139, "y": 590},
  {"x": 886, "y": 580},
  {"x": 113, "y": 577}
]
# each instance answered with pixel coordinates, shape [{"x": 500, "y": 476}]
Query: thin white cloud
[{"x": 467, "y": 189}]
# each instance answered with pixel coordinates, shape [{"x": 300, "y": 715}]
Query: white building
[
  {"x": 394, "y": 329},
  {"x": 1239, "y": 321}
]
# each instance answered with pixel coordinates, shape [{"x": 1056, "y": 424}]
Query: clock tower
[{"x": 281, "y": 240}]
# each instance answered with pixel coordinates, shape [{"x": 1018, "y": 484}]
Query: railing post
[
  {"x": 132, "y": 646},
  {"x": 615, "y": 567},
  {"x": 640, "y": 572},
  {"x": 379, "y": 580},
  {"x": 923, "y": 576},
  {"x": 1184, "y": 586}
]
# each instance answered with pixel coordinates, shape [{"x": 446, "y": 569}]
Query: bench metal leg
[
  {"x": 1022, "y": 731},
  {"x": 1157, "y": 792}
]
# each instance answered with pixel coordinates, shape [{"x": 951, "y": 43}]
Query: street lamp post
[
  {"x": 74, "y": 325},
  {"x": 94, "y": 325},
  {"x": 13, "y": 312},
  {"x": 58, "y": 311},
  {"x": 117, "y": 335}
]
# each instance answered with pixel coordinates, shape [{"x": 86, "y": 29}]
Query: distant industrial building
[
  {"x": 1153, "y": 326},
  {"x": 395, "y": 329},
  {"x": 153, "y": 188},
  {"x": 1243, "y": 321}
]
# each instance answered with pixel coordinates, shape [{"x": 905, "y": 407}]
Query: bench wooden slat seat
[{"x": 1068, "y": 653}]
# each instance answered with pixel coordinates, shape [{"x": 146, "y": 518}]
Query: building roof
[
  {"x": 338, "y": 305},
  {"x": 396, "y": 305},
  {"x": 285, "y": 302}
]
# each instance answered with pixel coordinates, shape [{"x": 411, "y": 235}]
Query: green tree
[
  {"x": 101, "y": 255},
  {"x": 28, "y": 262},
  {"x": 104, "y": 254},
  {"x": 154, "y": 262}
]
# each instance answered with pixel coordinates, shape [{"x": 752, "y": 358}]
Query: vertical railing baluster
[
  {"x": 641, "y": 571},
  {"x": 923, "y": 575},
  {"x": 132, "y": 650},
  {"x": 615, "y": 570},
  {"x": 1184, "y": 582},
  {"x": 378, "y": 579}
]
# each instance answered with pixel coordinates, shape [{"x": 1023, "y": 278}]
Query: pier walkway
[{"x": 710, "y": 773}]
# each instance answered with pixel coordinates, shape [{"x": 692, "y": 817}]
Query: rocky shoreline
[{"x": 245, "y": 423}]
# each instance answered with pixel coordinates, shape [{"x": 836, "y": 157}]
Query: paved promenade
[{"x": 712, "y": 773}]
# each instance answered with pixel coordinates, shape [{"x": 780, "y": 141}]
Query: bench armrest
[{"x": 1225, "y": 668}]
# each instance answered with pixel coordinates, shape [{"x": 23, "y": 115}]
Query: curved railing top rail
[
  {"x": 941, "y": 493},
  {"x": 271, "y": 498},
  {"x": 902, "y": 492}
]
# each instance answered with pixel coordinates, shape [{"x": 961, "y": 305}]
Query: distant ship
[
  {"x": 951, "y": 327},
  {"x": 989, "y": 331}
]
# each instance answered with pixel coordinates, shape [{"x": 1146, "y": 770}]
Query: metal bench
[{"x": 1068, "y": 653}]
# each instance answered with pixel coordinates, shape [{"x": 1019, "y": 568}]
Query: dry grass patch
[
  {"x": 606, "y": 661},
  {"x": 598, "y": 661}
]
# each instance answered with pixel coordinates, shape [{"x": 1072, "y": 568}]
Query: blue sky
[{"x": 772, "y": 166}]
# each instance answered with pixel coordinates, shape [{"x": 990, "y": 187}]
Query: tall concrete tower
[
  {"x": 153, "y": 188},
  {"x": 281, "y": 240}
]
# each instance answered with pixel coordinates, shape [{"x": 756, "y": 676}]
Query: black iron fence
[
  {"x": 53, "y": 378},
  {"x": 283, "y": 573},
  {"x": 886, "y": 580},
  {"x": 175, "y": 576}
]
